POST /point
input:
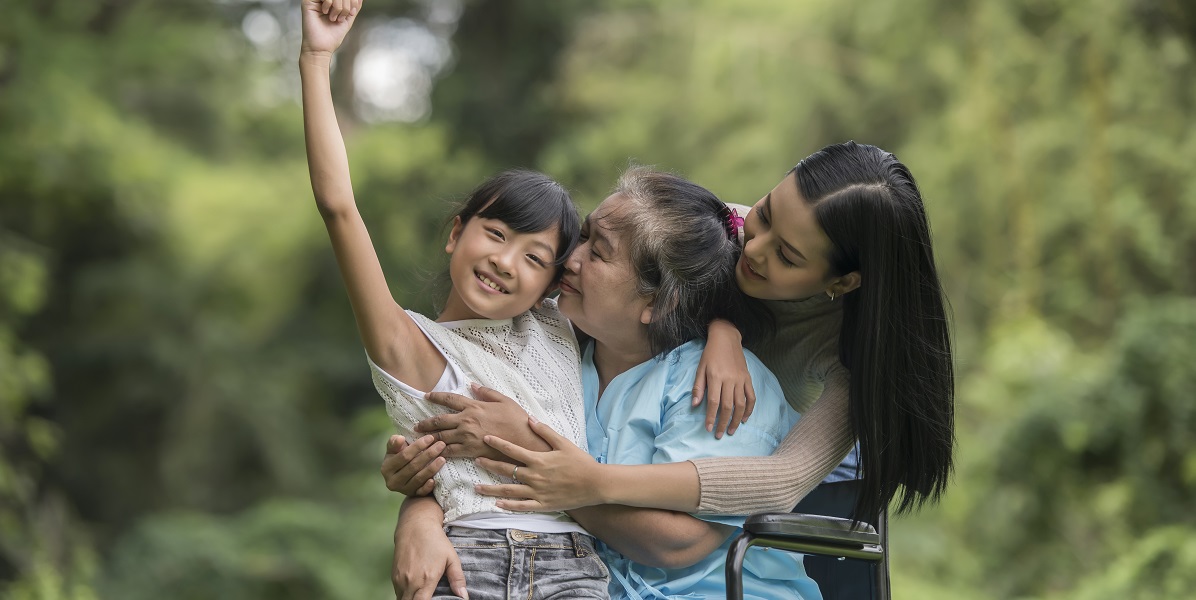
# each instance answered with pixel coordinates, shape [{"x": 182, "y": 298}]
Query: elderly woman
[{"x": 656, "y": 265}]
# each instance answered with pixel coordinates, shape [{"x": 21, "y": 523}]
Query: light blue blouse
[{"x": 644, "y": 416}]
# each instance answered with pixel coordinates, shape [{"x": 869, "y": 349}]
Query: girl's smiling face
[
  {"x": 497, "y": 272},
  {"x": 784, "y": 250}
]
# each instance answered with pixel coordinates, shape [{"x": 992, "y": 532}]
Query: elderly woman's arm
[
  {"x": 659, "y": 538},
  {"x": 653, "y": 537}
]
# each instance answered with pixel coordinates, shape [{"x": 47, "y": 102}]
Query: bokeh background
[{"x": 185, "y": 410}]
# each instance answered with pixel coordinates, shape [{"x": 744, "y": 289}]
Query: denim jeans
[{"x": 510, "y": 564}]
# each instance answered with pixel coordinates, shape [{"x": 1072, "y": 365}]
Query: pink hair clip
[{"x": 734, "y": 223}]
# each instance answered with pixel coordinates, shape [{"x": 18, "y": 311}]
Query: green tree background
[{"x": 184, "y": 408}]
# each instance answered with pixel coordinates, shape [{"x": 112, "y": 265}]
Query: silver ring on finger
[{"x": 515, "y": 475}]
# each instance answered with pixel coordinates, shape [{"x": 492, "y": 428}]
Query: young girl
[{"x": 497, "y": 329}]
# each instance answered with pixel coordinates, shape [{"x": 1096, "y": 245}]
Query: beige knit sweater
[{"x": 804, "y": 355}]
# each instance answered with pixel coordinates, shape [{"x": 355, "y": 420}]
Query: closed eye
[
  {"x": 780, "y": 254},
  {"x": 584, "y": 240},
  {"x": 785, "y": 261}
]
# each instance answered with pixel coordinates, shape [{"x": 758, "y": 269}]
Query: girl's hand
[
  {"x": 724, "y": 377},
  {"x": 490, "y": 413},
  {"x": 325, "y": 23},
  {"x": 423, "y": 554},
  {"x": 408, "y": 468},
  {"x": 563, "y": 478}
]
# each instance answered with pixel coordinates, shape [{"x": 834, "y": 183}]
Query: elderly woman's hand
[
  {"x": 491, "y": 413},
  {"x": 563, "y": 478},
  {"x": 408, "y": 468}
]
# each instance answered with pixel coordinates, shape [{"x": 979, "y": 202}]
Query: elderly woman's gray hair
[{"x": 683, "y": 249}]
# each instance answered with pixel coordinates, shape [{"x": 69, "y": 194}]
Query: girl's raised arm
[{"x": 380, "y": 320}]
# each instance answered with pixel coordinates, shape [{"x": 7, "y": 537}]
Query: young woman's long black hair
[{"x": 894, "y": 340}]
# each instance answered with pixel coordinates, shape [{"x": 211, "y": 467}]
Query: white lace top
[{"x": 532, "y": 359}]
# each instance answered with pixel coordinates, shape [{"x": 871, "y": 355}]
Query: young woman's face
[
  {"x": 784, "y": 250},
  {"x": 497, "y": 272},
  {"x": 598, "y": 290}
]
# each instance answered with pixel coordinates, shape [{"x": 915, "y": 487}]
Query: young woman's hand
[
  {"x": 724, "y": 379},
  {"x": 563, "y": 478},
  {"x": 424, "y": 554},
  {"x": 325, "y": 23},
  {"x": 489, "y": 413},
  {"x": 408, "y": 468}
]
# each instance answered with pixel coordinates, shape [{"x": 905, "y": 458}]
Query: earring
[{"x": 831, "y": 293}]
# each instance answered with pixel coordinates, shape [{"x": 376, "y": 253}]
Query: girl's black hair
[
  {"x": 684, "y": 256},
  {"x": 527, "y": 202},
  {"x": 894, "y": 340}
]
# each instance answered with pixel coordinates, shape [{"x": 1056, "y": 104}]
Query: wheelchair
[{"x": 848, "y": 563}]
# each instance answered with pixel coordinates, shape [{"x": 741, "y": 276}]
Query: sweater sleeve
[{"x": 820, "y": 441}]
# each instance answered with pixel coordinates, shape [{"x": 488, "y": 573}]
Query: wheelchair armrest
[{"x": 816, "y": 529}]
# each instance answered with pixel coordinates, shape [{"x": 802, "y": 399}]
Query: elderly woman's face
[{"x": 598, "y": 291}]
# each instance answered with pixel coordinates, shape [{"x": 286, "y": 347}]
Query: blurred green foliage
[{"x": 184, "y": 409}]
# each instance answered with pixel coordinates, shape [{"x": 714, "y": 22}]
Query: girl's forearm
[
  {"x": 419, "y": 511},
  {"x": 327, "y": 160}
]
